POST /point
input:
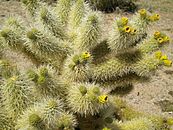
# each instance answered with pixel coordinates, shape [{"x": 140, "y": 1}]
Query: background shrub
[{"x": 110, "y": 5}]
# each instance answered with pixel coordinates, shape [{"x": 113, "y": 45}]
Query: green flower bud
[
  {"x": 108, "y": 120},
  {"x": 96, "y": 90},
  {"x": 4, "y": 33},
  {"x": 44, "y": 12},
  {"x": 76, "y": 59},
  {"x": 93, "y": 19},
  {"x": 52, "y": 104},
  {"x": 71, "y": 66},
  {"x": 41, "y": 80},
  {"x": 93, "y": 97},
  {"x": 43, "y": 71},
  {"x": 32, "y": 75},
  {"x": 83, "y": 90},
  {"x": 32, "y": 34},
  {"x": 34, "y": 120}
]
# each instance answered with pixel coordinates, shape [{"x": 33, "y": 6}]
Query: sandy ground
[
  {"x": 149, "y": 96},
  {"x": 144, "y": 96}
]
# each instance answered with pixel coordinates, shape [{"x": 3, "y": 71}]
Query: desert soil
[{"x": 148, "y": 97}]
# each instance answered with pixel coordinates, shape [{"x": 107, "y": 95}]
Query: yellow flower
[
  {"x": 170, "y": 121},
  {"x": 160, "y": 40},
  {"x": 151, "y": 18},
  {"x": 143, "y": 12},
  {"x": 164, "y": 57},
  {"x": 86, "y": 55},
  {"x": 166, "y": 39},
  {"x": 156, "y": 17},
  {"x": 157, "y": 34},
  {"x": 124, "y": 20},
  {"x": 105, "y": 128},
  {"x": 167, "y": 62},
  {"x": 127, "y": 29},
  {"x": 103, "y": 98},
  {"x": 158, "y": 54},
  {"x": 133, "y": 31}
]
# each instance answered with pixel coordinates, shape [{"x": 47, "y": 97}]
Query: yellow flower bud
[
  {"x": 124, "y": 20},
  {"x": 166, "y": 39},
  {"x": 160, "y": 40},
  {"x": 157, "y": 34},
  {"x": 164, "y": 57},
  {"x": 156, "y": 17},
  {"x": 170, "y": 121},
  {"x": 167, "y": 63},
  {"x": 158, "y": 54},
  {"x": 143, "y": 12},
  {"x": 103, "y": 99},
  {"x": 86, "y": 55},
  {"x": 133, "y": 31},
  {"x": 127, "y": 29},
  {"x": 151, "y": 18},
  {"x": 105, "y": 128}
]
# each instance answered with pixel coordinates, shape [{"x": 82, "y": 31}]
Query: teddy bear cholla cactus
[{"x": 72, "y": 83}]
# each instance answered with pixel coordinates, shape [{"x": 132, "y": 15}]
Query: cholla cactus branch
[
  {"x": 51, "y": 109},
  {"x": 6, "y": 123},
  {"x": 45, "y": 82},
  {"x": 109, "y": 69},
  {"x": 31, "y": 119},
  {"x": 63, "y": 8},
  {"x": 12, "y": 38},
  {"x": 90, "y": 33},
  {"x": 76, "y": 14},
  {"x": 77, "y": 67},
  {"x": 86, "y": 104},
  {"x": 16, "y": 94},
  {"x": 31, "y": 6},
  {"x": 52, "y": 23},
  {"x": 40, "y": 44}
]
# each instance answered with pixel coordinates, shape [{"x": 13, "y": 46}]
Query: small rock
[
  {"x": 170, "y": 93},
  {"x": 2, "y": 15},
  {"x": 169, "y": 72}
]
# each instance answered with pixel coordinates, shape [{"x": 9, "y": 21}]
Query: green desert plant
[
  {"x": 110, "y": 5},
  {"x": 76, "y": 71}
]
